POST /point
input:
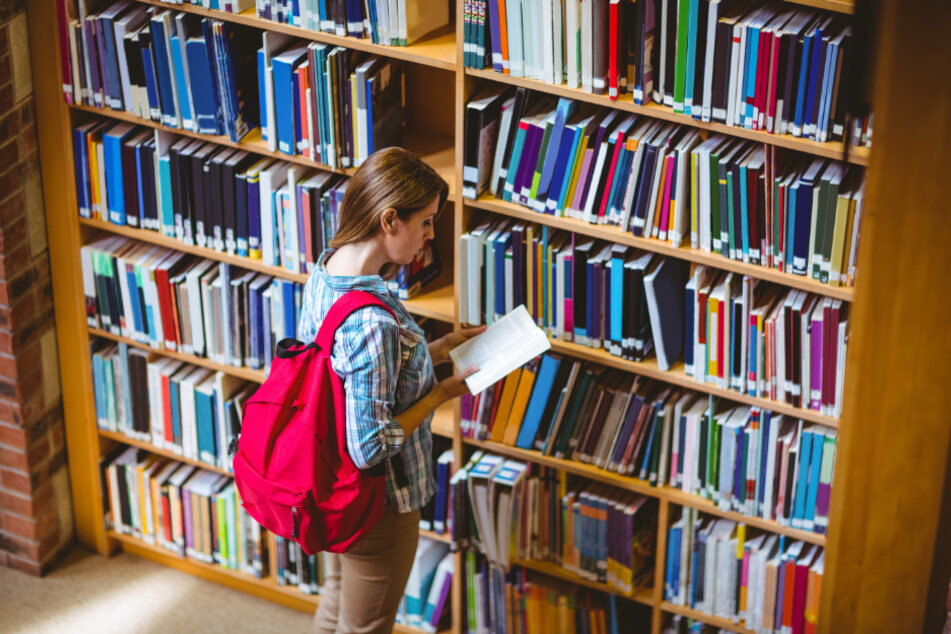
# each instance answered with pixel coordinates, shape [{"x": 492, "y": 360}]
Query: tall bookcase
[{"x": 893, "y": 453}]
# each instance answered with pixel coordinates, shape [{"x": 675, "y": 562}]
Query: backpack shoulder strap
[{"x": 342, "y": 308}]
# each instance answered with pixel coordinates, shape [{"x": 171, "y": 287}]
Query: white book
[
  {"x": 516, "y": 334},
  {"x": 681, "y": 220},
  {"x": 712, "y": 11},
  {"x": 270, "y": 180},
  {"x": 529, "y": 37},
  {"x": 558, "y": 43},
  {"x": 474, "y": 262},
  {"x": 735, "y": 74},
  {"x": 500, "y": 150},
  {"x": 587, "y": 46},
  {"x": 129, "y": 22},
  {"x": 513, "y": 21},
  {"x": 572, "y": 46},
  {"x": 548, "y": 44}
]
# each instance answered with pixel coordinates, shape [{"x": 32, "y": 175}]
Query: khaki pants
[{"x": 363, "y": 587}]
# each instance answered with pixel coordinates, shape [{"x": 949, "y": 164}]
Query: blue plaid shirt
[{"x": 386, "y": 368}]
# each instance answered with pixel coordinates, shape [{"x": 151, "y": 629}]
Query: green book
[
  {"x": 818, "y": 227},
  {"x": 680, "y": 58},
  {"x": 731, "y": 232},
  {"x": 542, "y": 154}
]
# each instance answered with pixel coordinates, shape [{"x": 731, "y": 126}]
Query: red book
[
  {"x": 308, "y": 226},
  {"x": 800, "y": 586},
  {"x": 167, "y": 411},
  {"x": 789, "y": 592},
  {"x": 165, "y": 297},
  {"x": 762, "y": 78},
  {"x": 618, "y": 146},
  {"x": 773, "y": 78},
  {"x": 613, "y": 27},
  {"x": 302, "y": 111}
]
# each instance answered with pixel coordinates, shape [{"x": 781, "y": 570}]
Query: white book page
[{"x": 505, "y": 345}]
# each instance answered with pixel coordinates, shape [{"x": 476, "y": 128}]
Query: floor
[{"x": 125, "y": 594}]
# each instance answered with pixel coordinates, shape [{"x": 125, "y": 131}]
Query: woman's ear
[{"x": 388, "y": 220}]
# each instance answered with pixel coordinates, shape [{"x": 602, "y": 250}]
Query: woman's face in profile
[{"x": 408, "y": 237}]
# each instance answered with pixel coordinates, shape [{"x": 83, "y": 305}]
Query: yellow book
[
  {"x": 509, "y": 388},
  {"x": 838, "y": 239},
  {"x": 847, "y": 250},
  {"x": 525, "y": 383},
  {"x": 94, "y": 177},
  {"x": 659, "y": 204},
  {"x": 575, "y": 171},
  {"x": 740, "y": 540}
]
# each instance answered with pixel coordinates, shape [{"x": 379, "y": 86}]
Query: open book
[{"x": 505, "y": 345}]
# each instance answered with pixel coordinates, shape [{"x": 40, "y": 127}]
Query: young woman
[{"x": 387, "y": 368}]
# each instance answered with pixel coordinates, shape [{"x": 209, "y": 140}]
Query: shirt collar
[{"x": 373, "y": 283}]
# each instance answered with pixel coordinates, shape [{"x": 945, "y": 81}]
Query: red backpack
[{"x": 292, "y": 468}]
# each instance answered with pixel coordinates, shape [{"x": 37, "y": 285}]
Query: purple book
[
  {"x": 815, "y": 361},
  {"x": 301, "y": 234},
  {"x": 597, "y": 301},
  {"x": 586, "y": 164},
  {"x": 632, "y": 411},
  {"x": 440, "y": 603},
  {"x": 526, "y": 163},
  {"x": 604, "y": 129},
  {"x": 187, "y": 519}
]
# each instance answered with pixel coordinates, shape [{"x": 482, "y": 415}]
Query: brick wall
[{"x": 36, "y": 522}]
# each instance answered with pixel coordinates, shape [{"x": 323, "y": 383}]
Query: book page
[{"x": 505, "y": 345}]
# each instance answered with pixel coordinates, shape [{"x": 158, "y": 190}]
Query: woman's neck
[{"x": 358, "y": 258}]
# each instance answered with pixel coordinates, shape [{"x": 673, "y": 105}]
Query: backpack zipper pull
[{"x": 294, "y": 533}]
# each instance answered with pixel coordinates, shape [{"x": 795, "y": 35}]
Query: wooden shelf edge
[
  {"x": 636, "y": 485},
  {"x": 445, "y": 538},
  {"x": 158, "y": 451},
  {"x": 444, "y": 420},
  {"x": 640, "y": 595},
  {"x": 677, "y": 376},
  {"x": 435, "y": 303},
  {"x": 709, "y": 619},
  {"x": 263, "y": 588},
  {"x": 839, "y": 6},
  {"x": 831, "y": 150},
  {"x": 614, "y": 234},
  {"x": 416, "y": 52}
]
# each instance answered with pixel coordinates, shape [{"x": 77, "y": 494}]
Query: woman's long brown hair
[{"x": 392, "y": 178}]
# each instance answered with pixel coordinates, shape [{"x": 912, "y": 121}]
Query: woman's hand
[
  {"x": 455, "y": 385},
  {"x": 439, "y": 349}
]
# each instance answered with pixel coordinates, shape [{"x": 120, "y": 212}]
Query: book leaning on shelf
[
  {"x": 174, "y": 68},
  {"x": 764, "y": 582},
  {"x": 192, "y": 512},
  {"x": 170, "y": 300},
  {"x": 428, "y": 587},
  {"x": 732, "y": 331},
  {"x": 744, "y": 459},
  {"x": 752, "y": 65},
  {"x": 667, "y": 182},
  {"x": 191, "y": 411}
]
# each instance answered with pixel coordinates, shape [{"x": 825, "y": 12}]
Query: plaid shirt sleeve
[{"x": 367, "y": 356}]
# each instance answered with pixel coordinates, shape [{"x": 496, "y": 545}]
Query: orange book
[
  {"x": 503, "y": 36},
  {"x": 658, "y": 206},
  {"x": 525, "y": 383},
  {"x": 789, "y": 592},
  {"x": 505, "y": 405}
]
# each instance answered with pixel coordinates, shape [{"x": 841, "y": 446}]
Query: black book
[
  {"x": 670, "y": 65},
  {"x": 640, "y": 342},
  {"x": 783, "y": 71},
  {"x": 554, "y": 396},
  {"x": 216, "y": 189},
  {"x": 200, "y": 181},
  {"x": 234, "y": 198},
  {"x": 580, "y": 290},
  {"x": 521, "y": 103},
  {"x": 700, "y": 59},
  {"x": 600, "y": 41},
  {"x": 149, "y": 201}
]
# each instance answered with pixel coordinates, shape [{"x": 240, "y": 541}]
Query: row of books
[
  {"x": 665, "y": 181},
  {"x": 743, "y": 458},
  {"x": 227, "y": 200},
  {"x": 524, "y": 602},
  {"x": 294, "y": 567},
  {"x": 718, "y": 567},
  {"x": 426, "y": 598},
  {"x": 330, "y": 104},
  {"x": 170, "y": 300},
  {"x": 174, "y": 68},
  {"x": 436, "y": 516},
  {"x": 521, "y": 513},
  {"x": 388, "y": 23},
  {"x": 192, "y": 512},
  {"x": 732, "y": 331},
  {"x": 191, "y": 411},
  {"x": 758, "y": 65}
]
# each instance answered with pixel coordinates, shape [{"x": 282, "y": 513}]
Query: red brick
[
  {"x": 16, "y": 503},
  {"x": 28, "y": 141},
  {"x": 58, "y": 437},
  {"x": 17, "y": 546},
  {"x": 15, "y": 230},
  {"x": 25, "y": 565},
  {"x": 39, "y": 451},
  {"x": 8, "y": 368},
  {"x": 10, "y": 152},
  {"x": 3, "y": 559},
  {"x": 6, "y": 339},
  {"x": 15, "y": 481},
  {"x": 14, "y": 262},
  {"x": 14, "y": 459},
  {"x": 20, "y": 526},
  {"x": 12, "y": 436}
]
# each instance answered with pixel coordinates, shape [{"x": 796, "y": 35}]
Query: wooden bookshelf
[
  {"x": 610, "y": 233},
  {"x": 158, "y": 451},
  {"x": 709, "y": 619},
  {"x": 832, "y": 150},
  {"x": 640, "y": 595},
  {"x": 436, "y": 49},
  {"x": 436, "y": 303},
  {"x": 905, "y": 235},
  {"x": 628, "y": 483}
]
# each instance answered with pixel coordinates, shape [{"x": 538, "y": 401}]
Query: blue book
[
  {"x": 100, "y": 392},
  {"x": 176, "y": 407},
  {"x": 80, "y": 166},
  {"x": 690, "y": 306},
  {"x": 166, "y": 206},
  {"x": 815, "y": 462},
  {"x": 565, "y": 109},
  {"x": 514, "y": 160},
  {"x": 619, "y": 181},
  {"x": 112, "y": 141},
  {"x": 615, "y": 329},
  {"x": 692, "y": 29},
  {"x": 138, "y": 324},
  {"x": 262, "y": 93},
  {"x": 287, "y": 126},
  {"x": 553, "y": 195},
  {"x": 181, "y": 81},
  {"x": 541, "y": 391},
  {"x": 801, "y": 87},
  {"x": 744, "y": 215},
  {"x": 749, "y": 75},
  {"x": 818, "y": 47},
  {"x": 204, "y": 96},
  {"x": 163, "y": 71},
  {"x": 151, "y": 80},
  {"x": 205, "y": 423},
  {"x": 791, "y": 221},
  {"x": 569, "y": 164},
  {"x": 107, "y": 32},
  {"x": 288, "y": 297},
  {"x": 807, "y": 183},
  {"x": 765, "y": 425},
  {"x": 799, "y": 497}
]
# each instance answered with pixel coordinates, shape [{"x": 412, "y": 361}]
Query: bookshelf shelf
[
  {"x": 122, "y": 438},
  {"x": 677, "y": 376},
  {"x": 674, "y": 496},
  {"x": 640, "y": 595},
  {"x": 436, "y": 49},
  {"x": 432, "y": 147},
  {"x": 839, "y": 6},
  {"x": 832, "y": 150},
  {"x": 436, "y": 304},
  {"x": 716, "y": 621},
  {"x": 614, "y": 234},
  {"x": 444, "y": 420}
]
